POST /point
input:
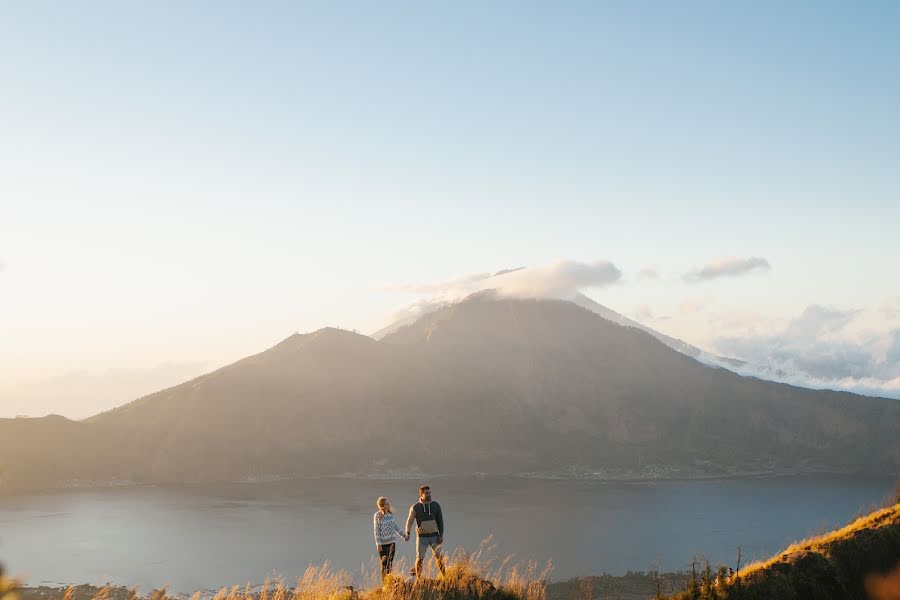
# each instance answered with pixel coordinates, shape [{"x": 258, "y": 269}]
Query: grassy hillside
[
  {"x": 470, "y": 576},
  {"x": 858, "y": 562}
]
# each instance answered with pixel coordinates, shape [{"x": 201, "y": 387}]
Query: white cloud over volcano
[
  {"x": 816, "y": 350},
  {"x": 562, "y": 279},
  {"x": 557, "y": 280}
]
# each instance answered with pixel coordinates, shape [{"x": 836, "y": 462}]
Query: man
[{"x": 429, "y": 529}]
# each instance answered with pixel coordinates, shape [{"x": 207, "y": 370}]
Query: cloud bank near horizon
[{"x": 815, "y": 350}]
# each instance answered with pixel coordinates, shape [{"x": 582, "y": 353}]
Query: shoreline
[{"x": 626, "y": 477}]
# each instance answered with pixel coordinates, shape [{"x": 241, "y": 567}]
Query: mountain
[
  {"x": 35, "y": 453},
  {"x": 608, "y": 314},
  {"x": 673, "y": 343},
  {"x": 484, "y": 385},
  {"x": 394, "y": 326}
]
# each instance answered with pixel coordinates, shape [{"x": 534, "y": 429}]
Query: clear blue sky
[{"x": 188, "y": 183}]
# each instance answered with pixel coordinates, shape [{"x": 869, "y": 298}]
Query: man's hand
[
  {"x": 440, "y": 539},
  {"x": 406, "y": 538},
  {"x": 377, "y": 548}
]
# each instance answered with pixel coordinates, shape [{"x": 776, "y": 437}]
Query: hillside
[
  {"x": 48, "y": 450},
  {"x": 485, "y": 385},
  {"x": 858, "y": 562},
  {"x": 673, "y": 343}
]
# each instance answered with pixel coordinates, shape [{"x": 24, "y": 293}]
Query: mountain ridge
[{"x": 485, "y": 385}]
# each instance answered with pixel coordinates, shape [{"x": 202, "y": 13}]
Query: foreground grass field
[{"x": 479, "y": 575}]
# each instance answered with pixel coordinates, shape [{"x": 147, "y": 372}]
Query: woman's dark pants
[{"x": 386, "y": 553}]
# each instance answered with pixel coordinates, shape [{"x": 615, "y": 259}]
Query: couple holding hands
[{"x": 429, "y": 531}]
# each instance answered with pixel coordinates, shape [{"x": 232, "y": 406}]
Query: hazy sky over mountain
[{"x": 185, "y": 184}]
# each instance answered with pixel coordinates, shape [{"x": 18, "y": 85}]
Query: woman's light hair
[{"x": 382, "y": 502}]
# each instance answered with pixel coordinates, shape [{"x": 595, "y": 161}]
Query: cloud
[
  {"x": 505, "y": 271},
  {"x": 815, "y": 350},
  {"x": 558, "y": 280},
  {"x": 151, "y": 376},
  {"x": 439, "y": 287},
  {"x": 816, "y": 321},
  {"x": 729, "y": 267},
  {"x": 408, "y": 314},
  {"x": 642, "y": 313},
  {"x": 648, "y": 273},
  {"x": 692, "y": 305},
  {"x": 890, "y": 308}
]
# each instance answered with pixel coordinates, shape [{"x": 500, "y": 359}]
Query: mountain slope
[
  {"x": 673, "y": 343},
  {"x": 856, "y": 562},
  {"x": 615, "y": 392},
  {"x": 482, "y": 385},
  {"x": 35, "y": 452},
  {"x": 608, "y": 314}
]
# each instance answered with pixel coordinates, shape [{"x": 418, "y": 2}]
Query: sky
[{"x": 185, "y": 184}]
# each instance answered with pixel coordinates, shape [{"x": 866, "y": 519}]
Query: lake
[{"x": 204, "y": 537}]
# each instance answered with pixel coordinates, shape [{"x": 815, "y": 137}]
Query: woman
[{"x": 386, "y": 530}]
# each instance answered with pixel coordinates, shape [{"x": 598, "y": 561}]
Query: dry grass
[
  {"x": 880, "y": 518},
  {"x": 526, "y": 580},
  {"x": 850, "y": 563},
  {"x": 479, "y": 575},
  {"x": 7, "y": 588}
]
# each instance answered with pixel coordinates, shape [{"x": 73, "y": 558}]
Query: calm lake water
[{"x": 204, "y": 537}]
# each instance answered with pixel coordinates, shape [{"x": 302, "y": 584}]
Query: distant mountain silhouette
[{"x": 484, "y": 385}]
